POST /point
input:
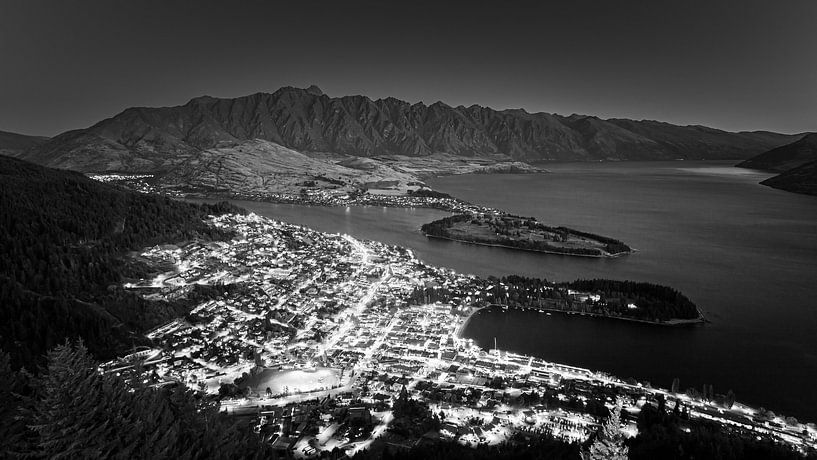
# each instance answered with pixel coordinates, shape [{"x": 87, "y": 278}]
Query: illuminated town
[
  {"x": 417, "y": 195},
  {"x": 317, "y": 338}
]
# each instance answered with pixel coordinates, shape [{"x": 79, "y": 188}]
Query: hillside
[
  {"x": 259, "y": 166},
  {"x": 158, "y": 139},
  {"x": 797, "y": 163},
  {"x": 802, "y": 179},
  {"x": 785, "y": 157},
  {"x": 13, "y": 144},
  {"x": 62, "y": 241}
]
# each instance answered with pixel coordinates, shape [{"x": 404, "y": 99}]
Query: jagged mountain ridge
[{"x": 155, "y": 139}]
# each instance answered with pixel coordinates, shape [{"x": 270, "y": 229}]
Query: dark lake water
[{"x": 745, "y": 253}]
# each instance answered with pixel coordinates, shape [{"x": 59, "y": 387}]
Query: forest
[
  {"x": 652, "y": 300},
  {"x": 70, "y": 410},
  {"x": 670, "y": 434},
  {"x": 604, "y": 297},
  {"x": 63, "y": 241}
]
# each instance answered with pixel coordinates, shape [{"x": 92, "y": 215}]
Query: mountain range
[
  {"x": 145, "y": 139},
  {"x": 278, "y": 142}
]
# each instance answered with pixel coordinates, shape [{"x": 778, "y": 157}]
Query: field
[{"x": 294, "y": 381}]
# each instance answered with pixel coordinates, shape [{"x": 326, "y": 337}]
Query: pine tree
[
  {"x": 609, "y": 443},
  {"x": 730, "y": 399},
  {"x": 82, "y": 413},
  {"x": 14, "y": 406}
]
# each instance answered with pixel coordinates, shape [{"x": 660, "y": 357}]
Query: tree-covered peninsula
[
  {"x": 627, "y": 300},
  {"x": 524, "y": 233}
]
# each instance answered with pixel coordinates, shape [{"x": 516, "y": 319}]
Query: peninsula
[
  {"x": 602, "y": 298},
  {"x": 525, "y": 233}
]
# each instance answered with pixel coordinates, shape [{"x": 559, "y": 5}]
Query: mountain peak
[{"x": 314, "y": 90}]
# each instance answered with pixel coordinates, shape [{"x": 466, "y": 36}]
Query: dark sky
[{"x": 737, "y": 65}]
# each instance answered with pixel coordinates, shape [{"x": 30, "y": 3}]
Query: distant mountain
[
  {"x": 797, "y": 163},
  {"x": 13, "y": 144},
  {"x": 802, "y": 179},
  {"x": 306, "y": 120},
  {"x": 786, "y": 157}
]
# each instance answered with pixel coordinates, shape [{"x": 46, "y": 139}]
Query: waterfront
[{"x": 745, "y": 253}]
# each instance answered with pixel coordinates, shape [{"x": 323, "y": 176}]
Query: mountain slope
[
  {"x": 158, "y": 139},
  {"x": 797, "y": 163},
  {"x": 258, "y": 166},
  {"x": 13, "y": 144},
  {"x": 785, "y": 157},
  {"x": 802, "y": 179},
  {"x": 62, "y": 237}
]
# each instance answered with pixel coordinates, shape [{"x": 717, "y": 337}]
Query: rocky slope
[
  {"x": 259, "y": 166},
  {"x": 306, "y": 120},
  {"x": 786, "y": 157}
]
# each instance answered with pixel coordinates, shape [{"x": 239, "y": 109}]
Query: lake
[{"x": 745, "y": 253}]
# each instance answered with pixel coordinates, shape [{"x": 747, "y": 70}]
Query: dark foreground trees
[
  {"x": 671, "y": 435},
  {"x": 520, "y": 448},
  {"x": 73, "y": 411},
  {"x": 62, "y": 241}
]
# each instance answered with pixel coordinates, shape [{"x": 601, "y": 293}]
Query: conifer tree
[
  {"x": 83, "y": 413},
  {"x": 609, "y": 443}
]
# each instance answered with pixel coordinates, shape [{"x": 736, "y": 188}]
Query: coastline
[
  {"x": 605, "y": 255},
  {"x": 448, "y": 204},
  {"x": 459, "y": 332},
  {"x": 464, "y": 324},
  {"x": 675, "y": 322}
]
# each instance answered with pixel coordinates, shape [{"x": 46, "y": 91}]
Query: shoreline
[
  {"x": 458, "y": 333},
  {"x": 449, "y": 204},
  {"x": 676, "y": 322},
  {"x": 605, "y": 255}
]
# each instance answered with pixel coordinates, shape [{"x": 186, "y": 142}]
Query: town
[
  {"x": 327, "y": 343},
  {"x": 415, "y": 196}
]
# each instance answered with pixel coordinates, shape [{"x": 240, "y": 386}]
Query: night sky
[{"x": 738, "y": 65}]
